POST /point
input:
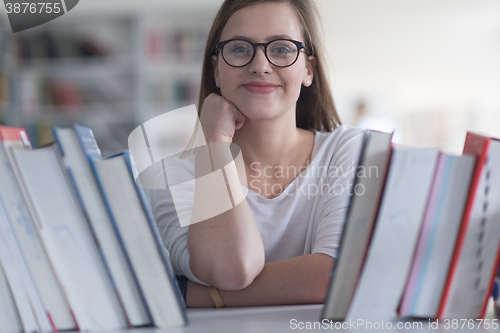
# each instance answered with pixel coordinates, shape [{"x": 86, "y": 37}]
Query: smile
[{"x": 258, "y": 87}]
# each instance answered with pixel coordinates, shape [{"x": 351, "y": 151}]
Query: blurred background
[{"x": 428, "y": 69}]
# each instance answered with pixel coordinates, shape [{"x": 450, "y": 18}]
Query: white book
[
  {"x": 19, "y": 295},
  {"x": 476, "y": 257},
  {"x": 99, "y": 219},
  {"x": 139, "y": 235},
  {"x": 361, "y": 216},
  {"x": 15, "y": 266},
  {"x": 395, "y": 235},
  {"x": 34, "y": 251},
  {"x": 9, "y": 318},
  {"x": 437, "y": 239},
  {"x": 68, "y": 240}
]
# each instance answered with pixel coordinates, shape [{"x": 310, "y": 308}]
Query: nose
[{"x": 259, "y": 64}]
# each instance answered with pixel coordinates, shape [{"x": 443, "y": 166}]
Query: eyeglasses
[{"x": 279, "y": 52}]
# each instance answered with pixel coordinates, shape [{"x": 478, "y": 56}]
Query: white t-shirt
[{"x": 307, "y": 217}]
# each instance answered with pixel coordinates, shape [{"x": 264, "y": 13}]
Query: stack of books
[
  {"x": 79, "y": 249},
  {"x": 422, "y": 233}
]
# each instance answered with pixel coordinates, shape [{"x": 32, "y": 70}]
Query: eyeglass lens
[{"x": 280, "y": 53}]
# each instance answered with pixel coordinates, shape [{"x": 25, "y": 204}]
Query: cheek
[
  {"x": 294, "y": 84},
  {"x": 229, "y": 79}
]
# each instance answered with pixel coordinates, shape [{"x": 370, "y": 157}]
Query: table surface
[{"x": 293, "y": 318}]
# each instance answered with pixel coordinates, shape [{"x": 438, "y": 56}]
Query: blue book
[{"x": 140, "y": 237}]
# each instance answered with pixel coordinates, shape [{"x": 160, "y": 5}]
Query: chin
[
  {"x": 260, "y": 113},
  {"x": 257, "y": 107}
]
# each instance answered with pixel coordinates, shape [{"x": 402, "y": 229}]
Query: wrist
[
  {"x": 218, "y": 138},
  {"x": 214, "y": 294},
  {"x": 197, "y": 296}
]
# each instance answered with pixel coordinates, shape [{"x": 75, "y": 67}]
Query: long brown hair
[{"x": 315, "y": 107}]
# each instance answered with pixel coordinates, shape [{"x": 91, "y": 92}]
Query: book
[
  {"x": 477, "y": 251},
  {"x": 9, "y": 317},
  {"x": 360, "y": 219},
  {"x": 10, "y": 251},
  {"x": 26, "y": 232},
  {"x": 23, "y": 300},
  {"x": 438, "y": 236},
  {"x": 74, "y": 145},
  {"x": 69, "y": 242},
  {"x": 395, "y": 235},
  {"x": 140, "y": 237}
]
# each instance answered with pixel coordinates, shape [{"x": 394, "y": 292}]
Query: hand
[{"x": 220, "y": 119}]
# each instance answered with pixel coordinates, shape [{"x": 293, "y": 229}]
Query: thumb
[{"x": 239, "y": 121}]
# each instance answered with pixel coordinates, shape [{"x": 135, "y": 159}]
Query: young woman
[{"x": 264, "y": 88}]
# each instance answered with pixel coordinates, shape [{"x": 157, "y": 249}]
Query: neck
[{"x": 268, "y": 142}]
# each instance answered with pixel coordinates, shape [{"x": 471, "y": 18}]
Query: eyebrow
[{"x": 266, "y": 39}]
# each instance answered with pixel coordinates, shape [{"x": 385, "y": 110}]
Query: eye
[
  {"x": 282, "y": 49},
  {"x": 238, "y": 48}
]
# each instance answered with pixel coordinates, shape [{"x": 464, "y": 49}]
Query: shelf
[
  {"x": 190, "y": 69},
  {"x": 109, "y": 71},
  {"x": 78, "y": 66}
]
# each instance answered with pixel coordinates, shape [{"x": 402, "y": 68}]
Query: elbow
[
  {"x": 320, "y": 281},
  {"x": 319, "y": 291},
  {"x": 236, "y": 274},
  {"x": 228, "y": 273}
]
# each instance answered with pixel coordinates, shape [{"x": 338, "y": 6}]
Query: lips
[{"x": 260, "y": 87}]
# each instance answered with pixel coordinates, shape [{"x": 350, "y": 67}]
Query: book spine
[
  {"x": 158, "y": 241},
  {"x": 497, "y": 255},
  {"x": 88, "y": 225},
  {"x": 480, "y": 163},
  {"x": 120, "y": 239},
  {"x": 87, "y": 141}
]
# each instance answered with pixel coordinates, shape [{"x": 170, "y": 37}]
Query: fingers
[{"x": 220, "y": 119}]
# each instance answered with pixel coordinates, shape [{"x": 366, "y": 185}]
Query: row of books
[
  {"x": 165, "y": 91},
  {"x": 49, "y": 45},
  {"x": 79, "y": 249},
  {"x": 180, "y": 44},
  {"x": 69, "y": 96},
  {"x": 4, "y": 92},
  {"x": 422, "y": 233}
]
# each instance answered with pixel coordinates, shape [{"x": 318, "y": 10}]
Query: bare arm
[
  {"x": 226, "y": 251},
  {"x": 298, "y": 280}
]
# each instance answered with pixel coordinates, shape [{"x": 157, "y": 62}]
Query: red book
[
  {"x": 17, "y": 134},
  {"x": 477, "y": 251}
]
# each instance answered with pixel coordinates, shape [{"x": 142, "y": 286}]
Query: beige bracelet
[{"x": 214, "y": 294}]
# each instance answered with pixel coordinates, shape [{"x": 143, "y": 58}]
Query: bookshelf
[
  {"x": 4, "y": 70},
  {"x": 108, "y": 71}
]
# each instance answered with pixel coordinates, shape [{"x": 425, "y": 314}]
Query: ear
[
  {"x": 309, "y": 73},
  {"x": 215, "y": 62}
]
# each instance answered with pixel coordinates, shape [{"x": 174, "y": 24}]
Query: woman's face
[{"x": 262, "y": 23}]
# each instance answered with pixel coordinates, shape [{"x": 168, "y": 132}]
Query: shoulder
[
  {"x": 341, "y": 135},
  {"x": 341, "y": 145}
]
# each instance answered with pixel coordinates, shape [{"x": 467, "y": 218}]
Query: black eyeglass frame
[{"x": 300, "y": 46}]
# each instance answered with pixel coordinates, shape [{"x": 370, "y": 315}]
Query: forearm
[
  {"x": 298, "y": 280},
  {"x": 226, "y": 250}
]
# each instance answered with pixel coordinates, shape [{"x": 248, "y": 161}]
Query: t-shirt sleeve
[
  {"x": 336, "y": 189},
  {"x": 174, "y": 236}
]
